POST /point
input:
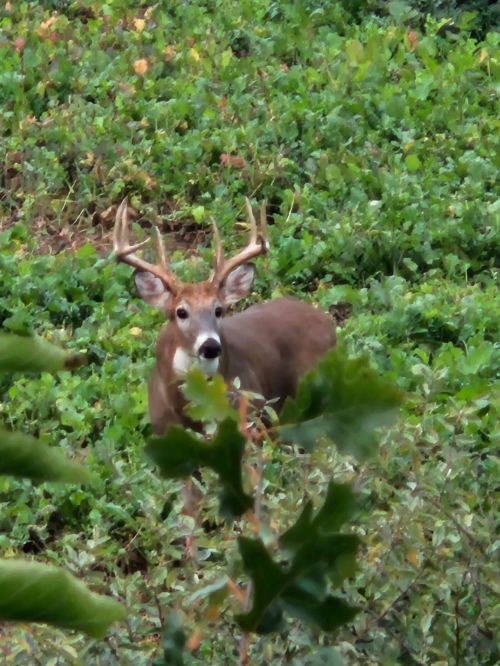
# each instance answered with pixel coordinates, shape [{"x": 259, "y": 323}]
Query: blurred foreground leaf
[
  {"x": 317, "y": 554},
  {"x": 33, "y": 354},
  {"x": 33, "y": 592},
  {"x": 173, "y": 642},
  {"x": 24, "y": 456},
  {"x": 207, "y": 397},
  {"x": 343, "y": 399},
  {"x": 179, "y": 453}
]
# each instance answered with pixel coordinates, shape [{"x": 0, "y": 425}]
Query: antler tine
[
  {"x": 263, "y": 225},
  {"x": 251, "y": 219},
  {"x": 219, "y": 252},
  {"x": 160, "y": 250},
  {"x": 121, "y": 243},
  {"x": 125, "y": 252},
  {"x": 256, "y": 245}
]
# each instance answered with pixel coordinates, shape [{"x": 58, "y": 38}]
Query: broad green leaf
[
  {"x": 354, "y": 51},
  {"x": 173, "y": 641},
  {"x": 208, "y": 397},
  {"x": 24, "y": 456},
  {"x": 338, "y": 507},
  {"x": 179, "y": 453},
  {"x": 33, "y": 354},
  {"x": 413, "y": 163},
  {"x": 327, "y": 613},
  {"x": 198, "y": 213},
  {"x": 215, "y": 592},
  {"x": 342, "y": 399},
  {"x": 317, "y": 554},
  {"x": 34, "y": 592},
  {"x": 268, "y": 579}
]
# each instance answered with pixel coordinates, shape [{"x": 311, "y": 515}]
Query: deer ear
[
  {"x": 238, "y": 284},
  {"x": 151, "y": 289}
]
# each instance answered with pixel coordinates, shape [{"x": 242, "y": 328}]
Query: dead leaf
[
  {"x": 19, "y": 44},
  {"x": 47, "y": 26},
  {"x": 194, "y": 55},
  {"x": 412, "y": 557},
  {"x": 235, "y": 161},
  {"x": 194, "y": 641},
  {"x": 139, "y": 24},
  {"x": 412, "y": 39},
  {"x": 141, "y": 66}
]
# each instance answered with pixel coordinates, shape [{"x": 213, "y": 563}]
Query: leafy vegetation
[
  {"x": 30, "y": 591},
  {"x": 373, "y": 133}
]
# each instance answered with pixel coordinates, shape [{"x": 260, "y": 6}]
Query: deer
[{"x": 268, "y": 347}]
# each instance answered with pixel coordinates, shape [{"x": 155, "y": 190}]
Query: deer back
[{"x": 271, "y": 345}]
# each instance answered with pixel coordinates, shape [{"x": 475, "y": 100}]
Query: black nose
[{"x": 210, "y": 349}]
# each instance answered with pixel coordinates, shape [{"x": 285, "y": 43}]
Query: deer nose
[{"x": 211, "y": 348}]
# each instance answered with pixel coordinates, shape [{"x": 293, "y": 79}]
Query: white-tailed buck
[{"x": 267, "y": 346}]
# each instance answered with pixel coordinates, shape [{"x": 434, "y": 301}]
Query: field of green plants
[{"x": 372, "y": 130}]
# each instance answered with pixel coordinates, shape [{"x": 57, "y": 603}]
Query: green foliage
[
  {"x": 173, "y": 642},
  {"x": 33, "y": 592},
  {"x": 316, "y": 551},
  {"x": 207, "y": 399},
  {"x": 24, "y": 456},
  {"x": 178, "y": 454},
  {"x": 30, "y": 591},
  {"x": 372, "y": 130},
  {"x": 343, "y": 399},
  {"x": 340, "y": 398}
]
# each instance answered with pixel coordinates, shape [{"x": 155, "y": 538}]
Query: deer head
[{"x": 194, "y": 310}]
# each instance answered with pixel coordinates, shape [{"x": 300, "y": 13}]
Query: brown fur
[{"x": 268, "y": 346}]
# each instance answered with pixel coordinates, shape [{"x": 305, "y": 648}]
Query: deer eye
[
  {"x": 182, "y": 313},
  {"x": 218, "y": 311}
]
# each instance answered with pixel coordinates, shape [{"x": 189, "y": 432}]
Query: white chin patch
[
  {"x": 208, "y": 366},
  {"x": 183, "y": 362}
]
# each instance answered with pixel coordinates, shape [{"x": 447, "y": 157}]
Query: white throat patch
[{"x": 182, "y": 362}]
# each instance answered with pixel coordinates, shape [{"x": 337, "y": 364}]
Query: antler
[
  {"x": 257, "y": 245},
  {"x": 126, "y": 253}
]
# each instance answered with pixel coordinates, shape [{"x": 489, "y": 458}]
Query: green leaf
[
  {"x": 216, "y": 591},
  {"x": 268, "y": 579},
  {"x": 207, "y": 396},
  {"x": 317, "y": 554},
  {"x": 354, "y": 51},
  {"x": 24, "y": 456},
  {"x": 33, "y": 354},
  {"x": 338, "y": 507},
  {"x": 413, "y": 163},
  {"x": 179, "y": 453},
  {"x": 343, "y": 399},
  {"x": 34, "y": 592},
  {"x": 173, "y": 641},
  {"x": 198, "y": 213},
  {"x": 328, "y": 613}
]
